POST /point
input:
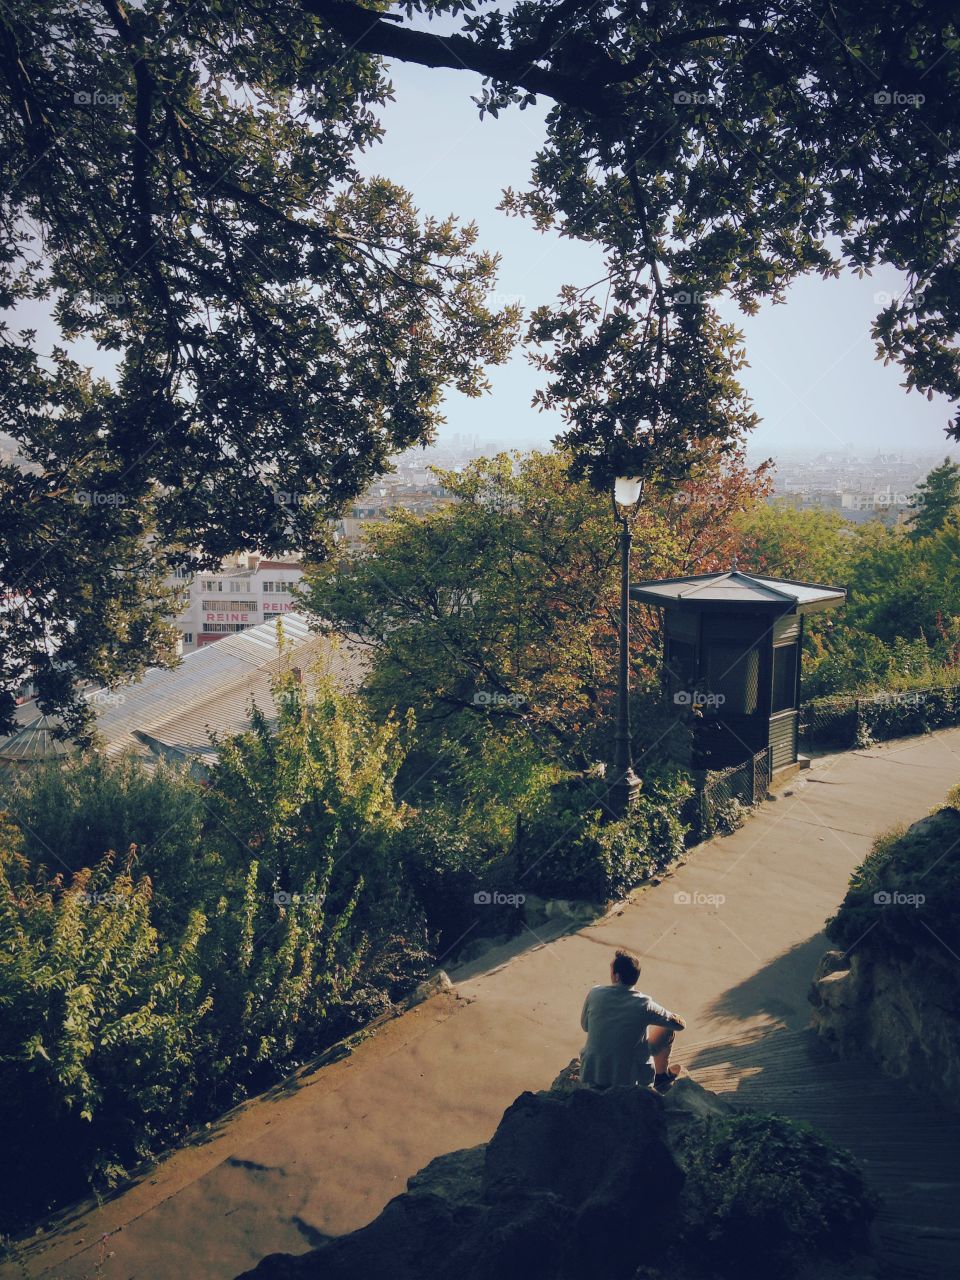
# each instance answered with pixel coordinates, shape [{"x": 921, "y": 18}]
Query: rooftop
[
  {"x": 171, "y": 712},
  {"x": 738, "y": 589}
]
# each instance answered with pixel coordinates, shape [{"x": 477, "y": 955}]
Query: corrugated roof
[{"x": 210, "y": 691}]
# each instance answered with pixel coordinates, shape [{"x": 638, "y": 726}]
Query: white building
[{"x": 248, "y": 590}]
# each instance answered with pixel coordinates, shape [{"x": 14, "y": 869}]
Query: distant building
[{"x": 248, "y": 590}]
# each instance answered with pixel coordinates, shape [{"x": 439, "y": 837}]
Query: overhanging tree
[
  {"x": 183, "y": 187},
  {"x": 722, "y": 147},
  {"x": 180, "y": 191}
]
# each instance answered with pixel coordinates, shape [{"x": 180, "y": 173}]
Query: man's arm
[{"x": 660, "y": 1017}]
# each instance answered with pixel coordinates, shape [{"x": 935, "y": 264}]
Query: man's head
[{"x": 625, "y": 969}]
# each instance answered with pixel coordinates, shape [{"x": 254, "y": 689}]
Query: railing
[
  {"x": 847, "y": 721},
  {"x": 723, "y": 796}
]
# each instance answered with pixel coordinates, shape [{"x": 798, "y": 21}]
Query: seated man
[{"x": 619, "y": 1049}]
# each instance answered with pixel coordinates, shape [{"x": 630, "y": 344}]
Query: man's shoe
[{"x": 665, "y": 1080}]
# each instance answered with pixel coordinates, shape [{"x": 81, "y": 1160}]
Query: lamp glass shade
[{"x": 627, "y": 490}]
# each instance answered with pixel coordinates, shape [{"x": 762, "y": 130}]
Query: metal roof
[
  {"x": 173, "y": 711},
  {"x": 736, "y": 589},
  {"x": 32, "y": 743}
]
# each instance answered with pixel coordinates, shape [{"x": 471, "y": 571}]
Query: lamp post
[{"x": 627, "y": 496}]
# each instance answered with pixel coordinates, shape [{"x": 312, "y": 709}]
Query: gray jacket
[{"x": 615, "y": 1019}]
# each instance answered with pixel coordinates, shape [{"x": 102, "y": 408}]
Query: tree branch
[{"x": 367, "y": 32}]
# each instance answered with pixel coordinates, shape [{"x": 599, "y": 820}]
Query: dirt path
[{"x": 324, "y": 1156}]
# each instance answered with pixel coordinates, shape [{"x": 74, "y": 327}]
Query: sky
[{"x": 813, "y": 376}]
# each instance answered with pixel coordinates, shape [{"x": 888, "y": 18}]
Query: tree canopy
[
  {"x": 500, "y": 609},
  {"x": 183, "y": 193},
  {"x": 710, "y": 148},
  {"x": 937, "y": 500}
]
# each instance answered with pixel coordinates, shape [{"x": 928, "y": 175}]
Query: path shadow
[
  {"x": 906, "y": 1143},
  {"x": 779, "y": 989}
]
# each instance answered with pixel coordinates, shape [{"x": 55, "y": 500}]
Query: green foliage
[
  {"x": 74, "y": 811},
  {"x": 917, "y": 875},
  {"x": 709, "y": 150},
  {"x": 276, "y": 325},
  {"x": 279, "y": 923},
  {"x": 937, "y": 500},
  {"x": 574, "y": 850},
  {"x": 497, "y": 614},
  {"x": 812, "y": 546},
  {"x": 856, "y": 721},
  {"x": 764, "y": 1194}
]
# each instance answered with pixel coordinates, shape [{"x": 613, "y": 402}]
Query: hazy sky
[{"x": 813, "y": 376}]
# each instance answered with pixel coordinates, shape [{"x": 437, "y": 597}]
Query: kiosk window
[
  {"x": 784, "y": 678},
  {"x": 734, "y": 676}
]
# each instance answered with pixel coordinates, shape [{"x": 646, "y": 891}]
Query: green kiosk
[{"x": 732, "y": 654}]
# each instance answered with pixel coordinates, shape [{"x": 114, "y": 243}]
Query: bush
[
  {"x": 131, "y": 1010},
  {"x": 70, "y": 813},
  {"x": 763, "y": 1195},
  {"x": 446, "y": 866},
  {"x": 881, "y": 913},
  {"x": 876, "y": 717},
  {"x": 572, "y": 852}
]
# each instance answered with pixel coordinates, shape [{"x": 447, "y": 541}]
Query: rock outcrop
[
  {"x": 894, "y": 992},
  {"x": 575, "y": 1182}
]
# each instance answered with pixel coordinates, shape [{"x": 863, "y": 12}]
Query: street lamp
[{"x": 627, "y": 496}]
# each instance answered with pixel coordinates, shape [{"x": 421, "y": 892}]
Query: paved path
[{"x": 324, "y": 1155}]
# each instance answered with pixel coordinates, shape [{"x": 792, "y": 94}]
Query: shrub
[
  {"x": 282, "y": 927},
  {"x": 573, "y": 852},
  {"x": 71, "y": 813},
  {"x": 763, "y": 1195},
  {"x": 876, "y": 717},
  {"x": 881, "y": 913}
]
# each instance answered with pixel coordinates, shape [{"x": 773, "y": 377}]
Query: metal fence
[
  {"x": 725, "y": 794},
  {"x": 843, "y": 722}
]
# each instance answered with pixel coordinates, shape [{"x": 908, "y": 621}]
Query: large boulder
[
  {"x": 609, "y": 1184},
  {"x": 565, "y": 1173}
]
